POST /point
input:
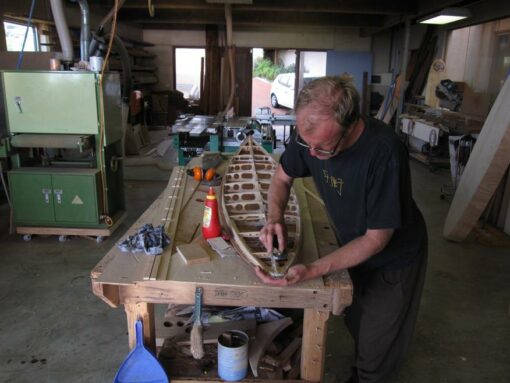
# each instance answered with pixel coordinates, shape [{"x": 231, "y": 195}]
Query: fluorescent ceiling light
[{"x": 447, "y": 15}]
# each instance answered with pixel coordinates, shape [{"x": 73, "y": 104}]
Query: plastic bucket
[{"x": 233, "y": 355}]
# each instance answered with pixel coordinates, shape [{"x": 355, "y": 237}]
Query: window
[
  {"x": 188, "y": 71},
  {"x": 15, "y": 34}
]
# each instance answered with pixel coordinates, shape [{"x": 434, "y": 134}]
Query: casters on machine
[
  {"x": 27, "y": 237},
  {"x": 62, "y": 238},
  {"x": 99, "y": 239}
]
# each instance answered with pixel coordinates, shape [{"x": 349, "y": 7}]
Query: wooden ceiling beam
[
  {"x": 254, "y": 18},
  {"x": 375, "y": 7}
]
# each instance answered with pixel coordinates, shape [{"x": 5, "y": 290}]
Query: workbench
[{"x": 138, "y": 281}]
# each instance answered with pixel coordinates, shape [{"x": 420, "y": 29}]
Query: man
[{"x": 362, "y": 172}]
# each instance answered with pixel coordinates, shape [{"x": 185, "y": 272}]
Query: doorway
[
  {"x": 189, "y": 72},
  {"x": 268, "y": 64}
]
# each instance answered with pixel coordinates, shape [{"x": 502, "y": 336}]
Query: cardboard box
[{"x": 473, "y": 103}]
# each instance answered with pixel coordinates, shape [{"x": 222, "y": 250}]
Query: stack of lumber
[{"x": 484, "y": 171}]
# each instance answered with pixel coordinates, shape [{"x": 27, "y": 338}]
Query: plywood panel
[{"x": 483, "y": 173}]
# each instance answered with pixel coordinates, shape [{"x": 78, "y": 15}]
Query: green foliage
[
  {"x": 289, "y": 69},
  {"x": 266, "y": 69}
]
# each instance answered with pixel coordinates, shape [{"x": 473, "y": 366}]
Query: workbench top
[{"x": 123, "y": 277}]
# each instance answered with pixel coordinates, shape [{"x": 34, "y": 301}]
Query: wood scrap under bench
[
  {"x": 266, "y": 333},
  {"x": 178, "y": 331},
  {"x": 283, "y": 358}
]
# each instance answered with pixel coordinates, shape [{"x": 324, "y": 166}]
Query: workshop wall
[
  {"x": 470, "y": 54},
  {"x": 387, "y": 47},
  {"x": 341, "y": 39},
  {"x": 164, "y": 43}
]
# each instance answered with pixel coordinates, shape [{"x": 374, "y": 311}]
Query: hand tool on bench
[
  {"x": 277, "y": 255},
  {"x": 140, "y": 366},
  {"x": 197, "y": 346}
]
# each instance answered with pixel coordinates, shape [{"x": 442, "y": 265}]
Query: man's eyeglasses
[{"x": 300, "y": 142}]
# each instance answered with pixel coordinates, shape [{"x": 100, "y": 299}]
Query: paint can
[
  {"x": 96, "y": 63},
  {"x": 233, "y": 355}
]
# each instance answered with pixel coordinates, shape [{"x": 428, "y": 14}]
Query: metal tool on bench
[{"x": 276, "y": 256}]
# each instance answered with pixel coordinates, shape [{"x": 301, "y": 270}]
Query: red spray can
[{"x": 211, "y": 227}]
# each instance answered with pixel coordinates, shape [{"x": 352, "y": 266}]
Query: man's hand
[
  {"x": 295, "y": 274},
  {"x": 270, "y": 230}
]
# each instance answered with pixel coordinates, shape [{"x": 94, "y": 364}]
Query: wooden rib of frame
[{"x": 244, "y": 206}]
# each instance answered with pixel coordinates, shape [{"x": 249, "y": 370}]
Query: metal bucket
[{"x": 233, "y": 355}]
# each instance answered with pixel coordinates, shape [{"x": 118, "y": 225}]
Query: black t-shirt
[{"x": 367, "y": 186}]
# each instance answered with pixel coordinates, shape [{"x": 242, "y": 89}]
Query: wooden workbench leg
[
  {"x": 145, "y": 311},
  {"x": 315, "y": 328}
]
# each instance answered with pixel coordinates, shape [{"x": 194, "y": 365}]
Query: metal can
[
  {"x": 55, "y": 64},
  {"x": 96, "y": 63},
  {"x": 233, "y": 355}
]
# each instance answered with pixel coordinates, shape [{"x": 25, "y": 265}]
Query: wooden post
[
  {"x": 144, "y": 311},
  {"x": 315, "y": 328}
]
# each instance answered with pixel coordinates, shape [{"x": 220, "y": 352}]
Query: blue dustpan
[{"x": 140, "y": 366}]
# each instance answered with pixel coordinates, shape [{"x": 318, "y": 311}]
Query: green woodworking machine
[{"x": 64, "y": 148}]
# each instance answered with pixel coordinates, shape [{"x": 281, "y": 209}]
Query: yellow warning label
[{"x": 77, "y": 200}]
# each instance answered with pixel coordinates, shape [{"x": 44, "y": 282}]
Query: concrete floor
[{"x": 53, "y": 329}]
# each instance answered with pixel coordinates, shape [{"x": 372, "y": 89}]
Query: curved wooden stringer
[{"x": 244, "y": 190}]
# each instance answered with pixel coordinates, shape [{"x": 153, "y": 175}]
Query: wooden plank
[
  {"x": 107, "y": 259},
  {"x": 107, "y": 293},
  {"x": 193, "y": 253},
  {"x": 160, "y": 268},
  {"x": 227, "y": 293},
  {"x": 485, "y": 169},
  {"x": 78, "y": 231},
  {"x": 144, "y": 311},
  {"x": 505, "y": 204},
  {"x": 131, "y": 267},
  {"x": 341, "y": 289},
  {"x": 314, "y": 344},
  {"x": 398, "y": 93},
  {"x": 162, "y": 216},
  {"x": 266, "y": 333},
  {"x": 285, "y": 355}
]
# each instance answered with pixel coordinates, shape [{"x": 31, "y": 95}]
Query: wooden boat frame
[{"x": 244, "y": 191}]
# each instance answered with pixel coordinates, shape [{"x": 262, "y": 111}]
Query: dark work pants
[{"x": 382, "y": 316}]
